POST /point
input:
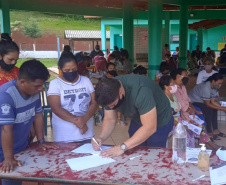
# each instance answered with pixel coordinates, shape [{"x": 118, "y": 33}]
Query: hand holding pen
[{"x": 96, "y": 144}]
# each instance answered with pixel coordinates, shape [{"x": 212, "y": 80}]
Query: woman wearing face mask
[
  {"x": 204, "y": 74},
  {"x": 118, "y": 64},
  {"x": 71, "y": 98},
  {"x": 204, "y": 95},
  {"x": 9, "y": 54},
  {"x": 164, "y": 69},
  {"x": 180, "y": 77},
  {"x": 169, "y": 87}
]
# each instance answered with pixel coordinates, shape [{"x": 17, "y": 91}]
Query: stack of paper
[{"x": 95, "y": 160}]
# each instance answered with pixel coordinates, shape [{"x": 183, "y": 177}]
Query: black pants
[{"x": 210, "y": 115}]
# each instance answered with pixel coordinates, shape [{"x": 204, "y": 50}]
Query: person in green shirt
[{"x": 141, "y": 99}]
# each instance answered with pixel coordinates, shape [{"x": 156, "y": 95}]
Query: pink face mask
[{"x": 173, "y": 89}]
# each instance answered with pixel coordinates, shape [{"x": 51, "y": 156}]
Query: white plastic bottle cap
[{"x": 203, "y": 148}]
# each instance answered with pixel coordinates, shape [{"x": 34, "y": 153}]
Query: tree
[{"x": 31, "y": 30}]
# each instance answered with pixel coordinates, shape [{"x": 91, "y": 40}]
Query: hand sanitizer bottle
[{"x": 203, "y": 159}]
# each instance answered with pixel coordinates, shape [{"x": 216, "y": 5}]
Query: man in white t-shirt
[{"x": 205, "y": 74}]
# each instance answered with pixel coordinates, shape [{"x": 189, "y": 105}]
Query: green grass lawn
[
  {"x": 47, "y": 62},
  {"x": 55, "y": 23}
]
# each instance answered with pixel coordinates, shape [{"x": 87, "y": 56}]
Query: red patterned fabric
[{"x": 4, "y": 78}]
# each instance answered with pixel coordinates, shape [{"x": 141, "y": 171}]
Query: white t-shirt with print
[
  {"x": 75, "y": 98},
  {"x": 203, "y": 75}
]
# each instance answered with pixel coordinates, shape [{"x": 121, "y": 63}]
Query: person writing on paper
[
  {"x": 140, "y": 98},
  {"x": 72, "y": 100},
  {"x": 21, "y": 107},
  {"x": 205, "y": 96}
]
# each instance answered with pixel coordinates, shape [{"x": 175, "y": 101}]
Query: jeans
[
  {"x": 158, "y": 139},
  {"x": 9, "y": 182}
]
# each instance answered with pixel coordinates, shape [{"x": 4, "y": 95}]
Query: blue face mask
[{"x": 70, "y": 76}]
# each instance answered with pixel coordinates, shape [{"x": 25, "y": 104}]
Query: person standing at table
[
  {"x": 140, "y": 98},
  {"x": 72, "y": 100},
  {"x": 20, "y": 107},
  {"x": 9, "y": 54}
]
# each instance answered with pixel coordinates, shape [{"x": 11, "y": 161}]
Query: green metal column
[
  {"x": 103, "y": 38},
  {"x": 5, "y": 18},
  {"x": 205, "y": 40},
  {"x": 183, "y": 36},
  {"x": 154, "y": 36},
  {"x": 200, "y": 38},
  {"x": 167, "y": 28},
  {"x": 127, "y": 28}
]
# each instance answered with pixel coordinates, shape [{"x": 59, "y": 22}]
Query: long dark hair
[{"x": 7, "y": 45}]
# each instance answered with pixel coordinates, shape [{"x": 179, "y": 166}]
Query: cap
[{"x": 203, "y": 148}]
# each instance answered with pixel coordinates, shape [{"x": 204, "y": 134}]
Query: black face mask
[
  {"x": 70, "y": 76},
  {"x": 5, "y": 66},
  {"x": 185, "y": 80},
  {"x": 120, "y": 101}
]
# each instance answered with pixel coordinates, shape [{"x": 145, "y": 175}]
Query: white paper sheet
[
  {"x": 217, "y": 174},
  {"x": 221, "y": 154},
  {"x": 88, "y": 149},
  {"x": 196, "y": 119},
  {"x": 82, "y": 163},
  {"x": 223, "y": 103},
  {"x": 193, "y": 153},
  {"x": 192, "y": 127}
]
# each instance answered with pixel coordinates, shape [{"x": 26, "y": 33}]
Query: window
[{"x": 174, "y": 39}]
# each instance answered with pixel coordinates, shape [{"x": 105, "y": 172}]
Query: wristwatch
[
  {"x": 41, "y": 141},
  {"x": 123, "y": 147}
]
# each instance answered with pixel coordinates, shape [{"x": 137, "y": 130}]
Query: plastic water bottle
[{"x": 179, "y": 144}]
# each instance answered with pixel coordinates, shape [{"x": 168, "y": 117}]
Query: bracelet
[{"x": 41, "y": 141}]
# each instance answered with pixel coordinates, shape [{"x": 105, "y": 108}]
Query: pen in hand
[{"x": 94, "y": 140}]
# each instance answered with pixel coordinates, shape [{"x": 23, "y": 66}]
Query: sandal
[
  {"x": 221, "y": 134},
  {"x": 215, "y": 137}
]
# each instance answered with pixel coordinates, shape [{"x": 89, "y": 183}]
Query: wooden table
[{"x": 154, "y": 167}]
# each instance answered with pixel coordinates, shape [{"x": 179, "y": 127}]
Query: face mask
[
  {"x": 113, "y": 61},
  {"x": 216, "y": 87},
  {"x": 97, "y": 50},
  {"x": 70, "y": 76},
  {"x": 173, "y": 89},
  {"x": 208, "y": 67},
  {"x": 5, "y": 66},
  {"x": 113, "y": 73},
  {"x": 185, "y": 80},
  {"x": 120, "y": 101}
]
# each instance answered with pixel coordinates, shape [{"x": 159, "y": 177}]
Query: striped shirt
[{"x": 17, "y": 110}]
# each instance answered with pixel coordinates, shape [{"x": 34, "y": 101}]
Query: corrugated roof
[{"x": 85, "y": 34}]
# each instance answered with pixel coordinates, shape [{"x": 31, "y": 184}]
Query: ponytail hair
[
  {"x": 7, "y": 45},
  {"x": 215, "y": 77}
]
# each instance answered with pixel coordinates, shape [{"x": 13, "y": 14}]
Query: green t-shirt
[{"x": 142, "y": 94}]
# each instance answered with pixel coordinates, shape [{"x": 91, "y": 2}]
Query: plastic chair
[{"x": 45, "y": 106}]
